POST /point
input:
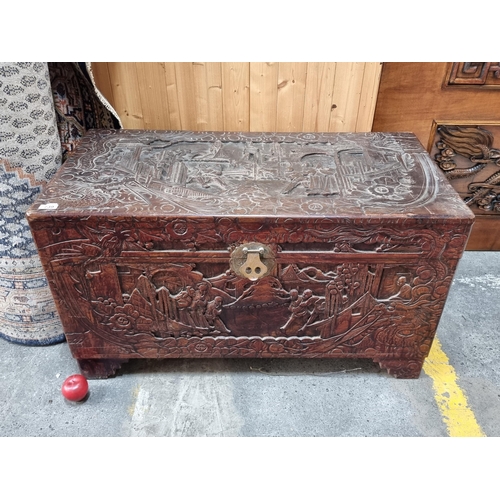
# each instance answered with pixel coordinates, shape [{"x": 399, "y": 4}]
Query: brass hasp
[{"x": 252, "y": 261}]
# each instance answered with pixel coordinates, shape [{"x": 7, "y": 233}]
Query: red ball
[{"x": 75, "y": 387}]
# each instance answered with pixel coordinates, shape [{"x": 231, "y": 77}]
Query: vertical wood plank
[
  {"x": 291, "y": 95},
  {"x": 263, "y": 96},
  {"x": 103, "y": 81},
  {"x": 186, "y": 95},
  {"x": 198, "y": 75},
  {"x": 153, "y": 92},
  {"x": 236, "y": 96},
  {"x": 127, "y": 99},
  {"x": 215, "y": 103},
  {"x": 368, "y": 99},
  {"x": 207, "y": 86},
  {"x": 172, "y": 97},
  {"x": 346, "y": 96},
  {"x": 318, "y": 96}
]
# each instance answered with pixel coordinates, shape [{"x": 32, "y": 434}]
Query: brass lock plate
[{"x": 252, "y": 261}]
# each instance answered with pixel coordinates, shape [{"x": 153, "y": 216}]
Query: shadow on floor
[{"x": 272, "y": 367}]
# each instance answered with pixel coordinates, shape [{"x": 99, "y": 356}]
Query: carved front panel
[{"x": 146, "y": 289}]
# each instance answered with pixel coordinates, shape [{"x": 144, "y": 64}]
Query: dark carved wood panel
[
  {"x": 417, "y": 96},
  {"x": 475, "y": 73},
  {"x": 358, "y": 237},
  {"x": 469, "y": 156},
  {"x": 471, "y": 163}
]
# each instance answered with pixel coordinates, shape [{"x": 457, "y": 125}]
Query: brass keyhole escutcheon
[
  {"x": 252, "y": 261},
  {"x": 253, "y": 268}
]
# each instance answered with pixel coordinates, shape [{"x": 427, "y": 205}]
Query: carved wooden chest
[{"x": 181, "y": 244}]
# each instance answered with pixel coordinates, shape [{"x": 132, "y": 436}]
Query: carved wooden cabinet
[
  {"x": 180, "y": 244},
  {"x": 454, "y": 110}
]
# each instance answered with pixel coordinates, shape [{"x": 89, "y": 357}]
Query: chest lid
[{"x": 179, "y": 173}]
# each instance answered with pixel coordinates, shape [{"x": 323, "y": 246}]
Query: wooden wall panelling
[
  {"x": 318, "y": 96},
  {"x": 153, "y": 92},
  {"x": 346, "y": 96},
  {"x": 192, "y": 111},
  {"x": 263, "y": 96},
  {"x": 409, "y": 98},
  {"x": 291, "y": 94},
  {"x": 242, "y": 96},
  {"x": 214, "y": 96},
  {"x": 173, "y": 101},
  {"x": 368, "y": 97},
  {"x": 207, "y": 85},
  {"x": 102, "y": 80},
  {"x": 200, "y": 86},
  {"x": 413, "y": 95},
  {"x": 126, "y": 94},
  {"x": 485, "y": 235},
  {"x": 236, "y": 96}
]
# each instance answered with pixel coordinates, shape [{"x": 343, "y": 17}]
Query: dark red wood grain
[{"x": 362, "y": 235}]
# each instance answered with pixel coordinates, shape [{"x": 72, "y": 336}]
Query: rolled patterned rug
[{"x": 31, "y": 151}]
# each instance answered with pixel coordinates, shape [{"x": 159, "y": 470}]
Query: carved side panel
[
  {"x": 471, "y": 162},
  {"x": 475, "y": 73}
]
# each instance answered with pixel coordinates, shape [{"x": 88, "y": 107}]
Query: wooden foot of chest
[
  {"x": 100, "y": 368},
  {"x": 402, "y": 368}
]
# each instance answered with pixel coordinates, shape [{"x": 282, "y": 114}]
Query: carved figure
[
  {"x": 184, "y": 302},
  {"x": 212, "y": 314},
  {"x": 315, "y": 306},
  {"x": 320, "y": 181},
  {"x": 405, "y": 289},
  {"x": 304, "y": 309},
  {"x": 199, "y": 305},
  {"x": 293, "y": 308}
]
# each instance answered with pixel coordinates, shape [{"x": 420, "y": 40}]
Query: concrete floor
[{"x": 266, "y": 397}]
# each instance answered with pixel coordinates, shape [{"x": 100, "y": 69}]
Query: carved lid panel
[{"x": 117, "y": 172}]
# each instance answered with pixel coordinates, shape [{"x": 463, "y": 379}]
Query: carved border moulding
[
  {"x": 475, "y": 73},
  {"x": 471, "y": 163},
  {"x": 181, "y": 244}
]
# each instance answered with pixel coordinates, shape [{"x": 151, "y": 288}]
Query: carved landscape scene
[
  {"x": 176, "y": 300},
  {"x": 244, "y": 174}
]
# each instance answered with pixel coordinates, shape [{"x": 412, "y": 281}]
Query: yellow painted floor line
[{"x": 450, "y": 398}]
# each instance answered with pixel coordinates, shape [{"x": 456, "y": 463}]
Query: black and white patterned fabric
[{"x": 30, "y": 153}]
